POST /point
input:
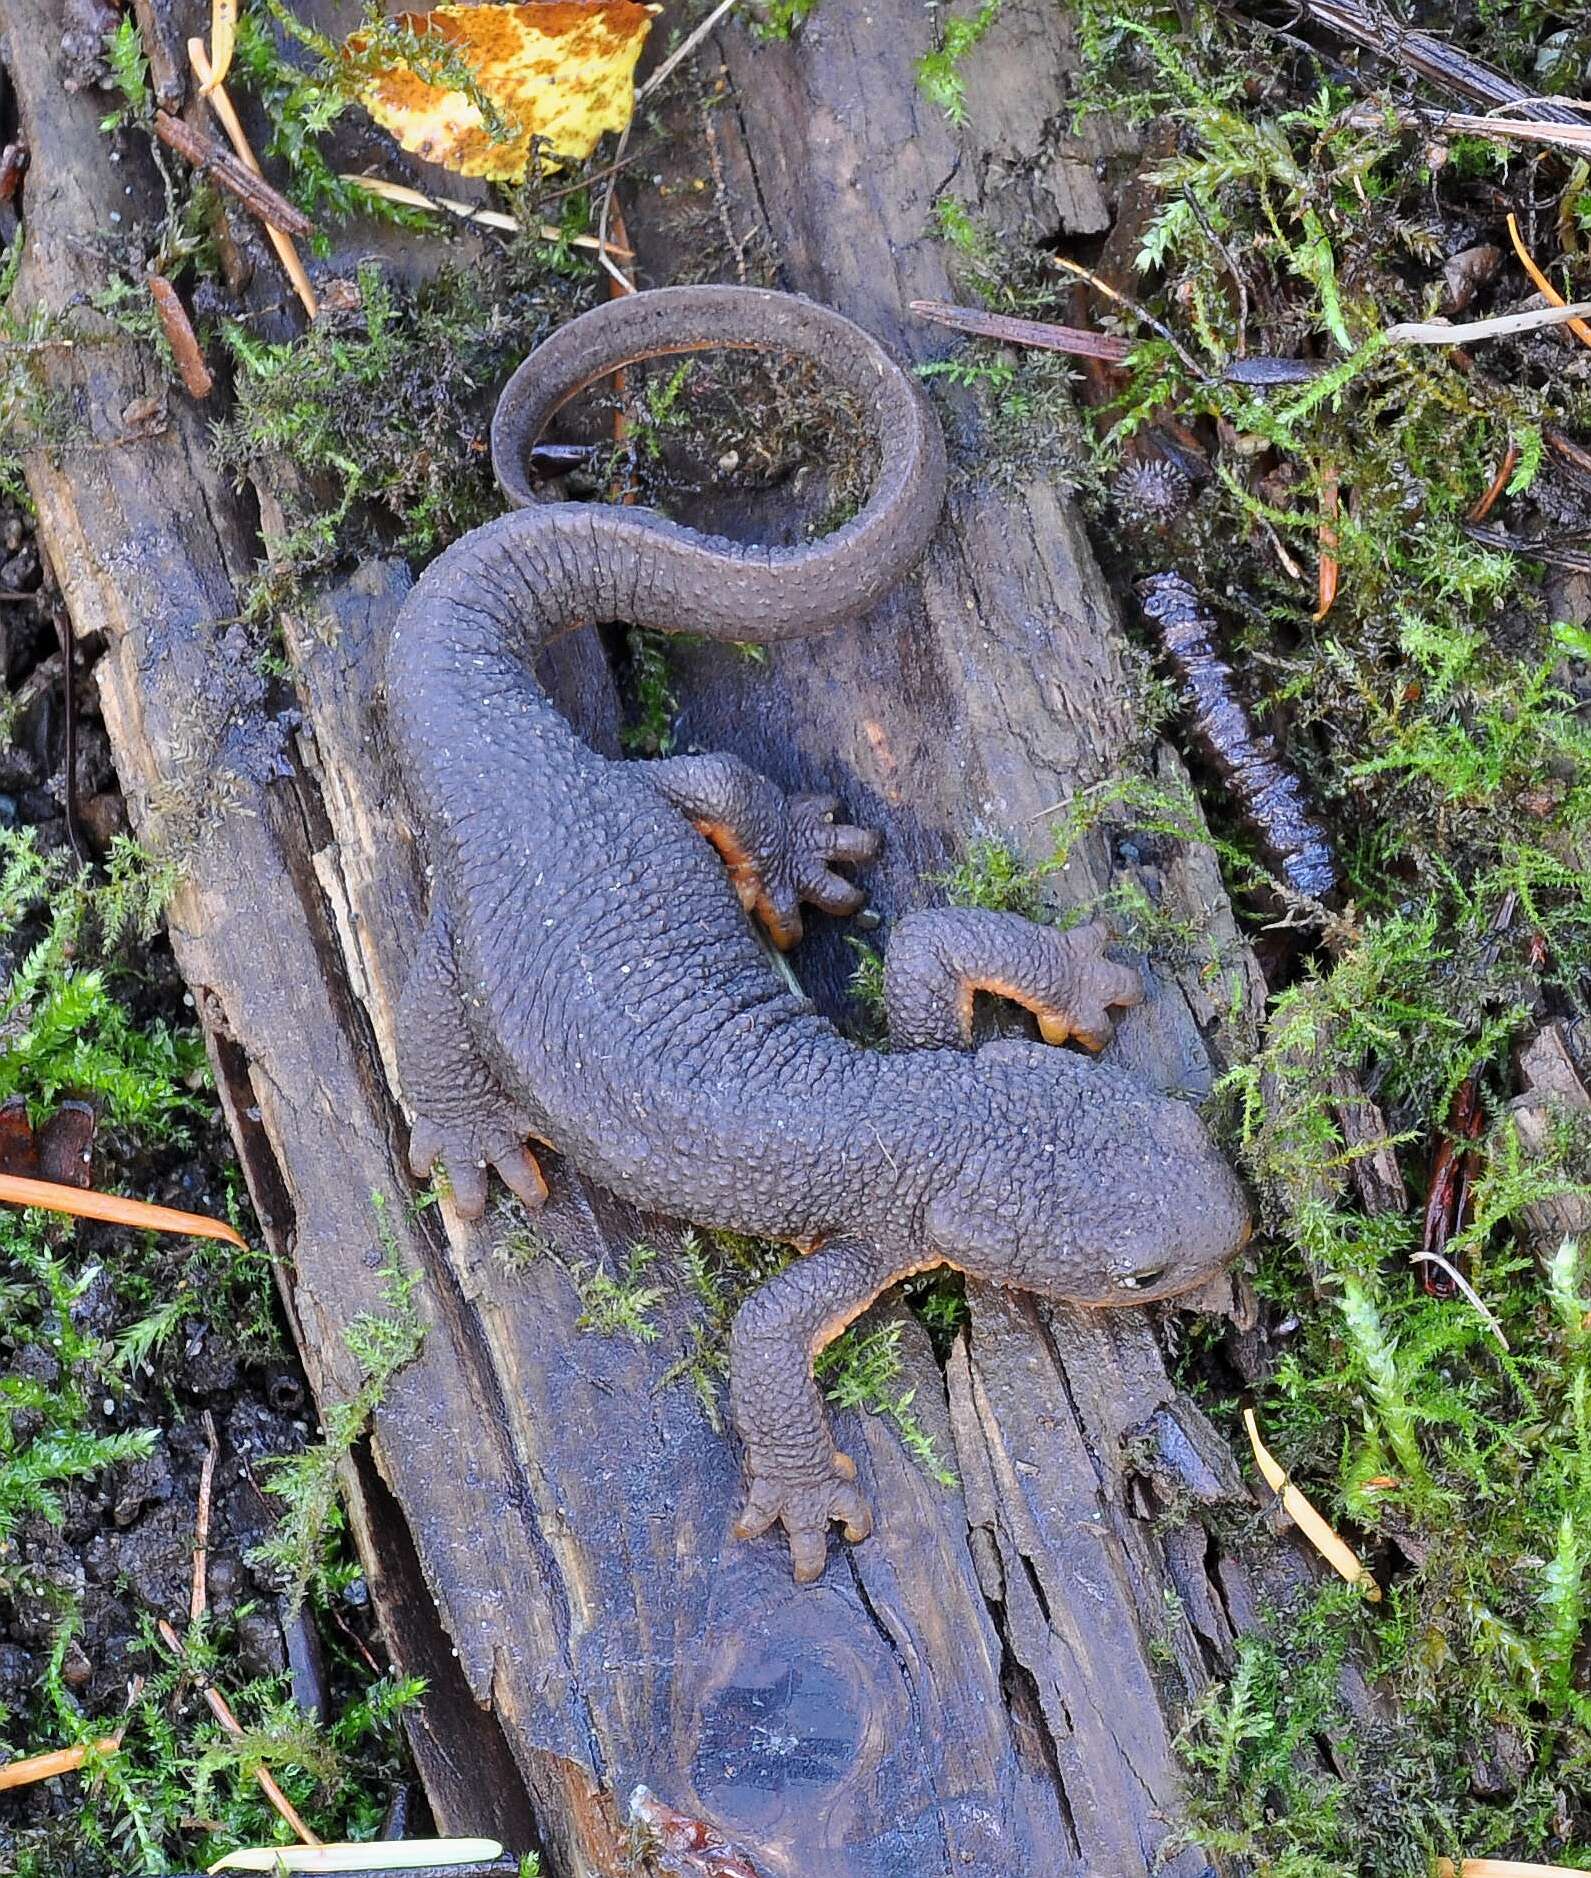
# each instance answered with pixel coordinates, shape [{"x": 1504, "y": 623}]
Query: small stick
[
  {"x": 1078, "y": 341},
  {"x": 1578, "y": 327},
  {"x": 685, "y": 50},
  {"x": 199, "y": 1597},
  {"x": 237, "y": 178},
  {"x": 1137, "y": 311},
  {"x": 1432, "y": 58},
  {"x": 1499, "y": 483},
  {"x": 157, "y": 31},
  {"x": 1555, "y": 550},
  {"x": 1504, "y": 326},
  {"x": 221, "y": 104},
  {"x": 604, "y": 250},
  {"x": 180, "y": 336},
  {"x": 221, "y": 1709},
  {"x": 466, "y": 212},
  {"x": 223, "y": 37},
  {"x": 58, "y": 1761},
  {"x": 1464, "y": 1285},
  {"x": 1575, "y": 137},
  {"x": 52, "y": 1197},
  {"x": 596, "y": 176},
  {"x": 1336, "y": 1551},
  {"x": 1328, "y": 571}
]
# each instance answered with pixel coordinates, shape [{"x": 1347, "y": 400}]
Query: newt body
[{"x": 589, "y": 979}]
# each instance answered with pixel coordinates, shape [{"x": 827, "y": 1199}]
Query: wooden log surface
[{"x": 990, "y": 1684}]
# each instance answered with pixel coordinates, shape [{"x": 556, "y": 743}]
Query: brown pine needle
[
  {"x": 221, "y": 104},
  {"x": 223, "y": 36},
  {"x": 1499, "y": 483},
  {"x": 1578, "y": 327},
  {"x": 87, "y": 1203},
  {"x": 1503, "y": 1868},
  {"x": 1327, "y": 579},
  {"x": 1337, "y": 1552},
  {"x": 221, "y": 1709},
  {"x": 58, "y": 1761}
]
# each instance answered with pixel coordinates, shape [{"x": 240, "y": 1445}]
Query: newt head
[{"x": 1076, "y": 1180}]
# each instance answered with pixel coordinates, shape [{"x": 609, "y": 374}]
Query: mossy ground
[
  {"x": 116, "y": 1345},
  {"x": 1438, "y": 712}
]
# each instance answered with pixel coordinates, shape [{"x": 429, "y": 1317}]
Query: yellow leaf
[{"x": 560, "y": 70}]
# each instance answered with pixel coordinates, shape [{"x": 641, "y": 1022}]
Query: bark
[{"x": 992, "y": 1683}]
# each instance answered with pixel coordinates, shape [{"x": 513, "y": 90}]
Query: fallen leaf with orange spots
[{"x": 559, "y": 70}]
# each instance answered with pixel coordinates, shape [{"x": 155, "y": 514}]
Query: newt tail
[{"x": 588, "y": 979}]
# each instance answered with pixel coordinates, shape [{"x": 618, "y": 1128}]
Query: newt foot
[
  {"x": 806, "y": 1508},
  {"x": 938, "y": 961},
  {"x": 465, "y": 1162},
  {"x": 774, "y": 879},
  {"x": 781, "y": 852}
]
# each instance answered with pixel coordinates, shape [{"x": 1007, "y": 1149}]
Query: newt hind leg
[
  {"x": 782, "y": 852},
  {"x": 462, "y": 1118},
  {"x": 937, "y": 962},
  {"x": 796, "y": 1476}
]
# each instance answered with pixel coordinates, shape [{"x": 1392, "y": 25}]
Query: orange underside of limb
[
  {"x": 748, "y": 883},
  {"x": 1054, "y": 1026}
]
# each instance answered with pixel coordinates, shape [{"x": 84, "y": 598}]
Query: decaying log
[
  {"x": 153, "y": 550},
  {"x": 992, "y": 1682}
]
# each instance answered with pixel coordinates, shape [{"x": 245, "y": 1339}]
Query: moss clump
[
  {"x": 1440, "y": 714},
  {"x": 382, "y": 410}
]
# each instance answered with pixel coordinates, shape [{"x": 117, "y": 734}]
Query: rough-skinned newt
[{"x": 589, "y": 979}]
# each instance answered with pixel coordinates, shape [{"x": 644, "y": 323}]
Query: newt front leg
[
  {"x": 781, "y": 851},
  {"x": 796, "y": 1475}
]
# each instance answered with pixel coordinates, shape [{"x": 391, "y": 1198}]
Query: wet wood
[
  {"x": 993, "y": 1682},
  {"x": 1554, "y": 1094},
  {"x": 153, "y": 550}
]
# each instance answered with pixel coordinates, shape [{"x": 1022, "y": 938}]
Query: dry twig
[
  {"x": 51, "y": 1197},
  {"x": 36, "y": 1767},
  {"x": 221, "y": 104},
  {"x": 1078, "y": 341},
  {"x": 233, "y": 175},
  {"x": 199, "y": 1596},
  {"x": 180, "y": 336},
  {"x": 1337, "y": 1552},
  {"x": 467, "y": 212}
]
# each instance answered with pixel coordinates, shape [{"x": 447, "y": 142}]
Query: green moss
[
  {"x": 939, "y": 72},
  {"x": 1439, "y": 721},
  {"x": 376, "y": 406},
  {"x": 782, "y": 19},
  {"x": 303, "y": 1549}
]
